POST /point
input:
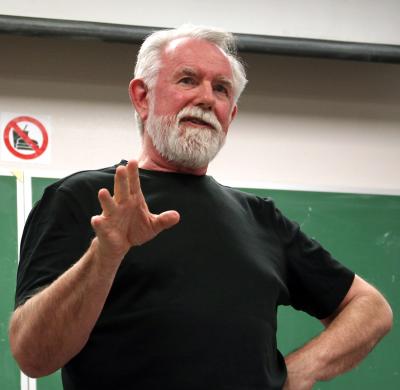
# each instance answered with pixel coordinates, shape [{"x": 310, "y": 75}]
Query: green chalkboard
[
  {"x": 38, "y": 186},
  {"x": 9, "y": 372},
  {"x": 363, "y": 232}
]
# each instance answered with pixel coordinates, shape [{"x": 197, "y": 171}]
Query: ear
[
  {"x": 139, "y": 97},
  {"x": 234, "y": 112}
]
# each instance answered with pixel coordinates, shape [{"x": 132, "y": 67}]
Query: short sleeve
[
  {"x": 317, "y": 282},
  {"x": 56, "y": 235}
]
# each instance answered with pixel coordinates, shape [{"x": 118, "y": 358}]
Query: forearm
[
  {"x": 352, "y": 335},
  {"x": 348, "y": 338},
  {"x": 54, "y": 325}
]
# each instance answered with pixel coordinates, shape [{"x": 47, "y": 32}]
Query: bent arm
[
  {"x": 362, "y": 319},
  {"x": 54, "y": 325}
]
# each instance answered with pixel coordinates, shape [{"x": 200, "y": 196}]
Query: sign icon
[
  {"x": 20, "y": 143},
  {"x": 25, "y": 137}
]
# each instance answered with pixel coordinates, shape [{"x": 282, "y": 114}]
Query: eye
[
  {"x": 221, "y": 88},
  {"x": 187, "y": 80}
]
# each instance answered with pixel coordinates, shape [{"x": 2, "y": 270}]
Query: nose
[{"x": 205, "y": 97}]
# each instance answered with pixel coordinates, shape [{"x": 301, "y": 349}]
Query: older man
[{"x": 119, "y": 306}]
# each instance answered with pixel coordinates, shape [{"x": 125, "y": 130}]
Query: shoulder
[
  {"x": 88, "y": 180},
  {"x": 246, "y": 197},
  {"x": 75, "y": 192},
  {"x": 263, "y": 210}
]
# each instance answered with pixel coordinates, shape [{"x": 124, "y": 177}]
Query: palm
[{"x": 126, "y": 220}]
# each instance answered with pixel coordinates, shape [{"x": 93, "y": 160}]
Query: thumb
[{"x": 166, "y": 220}]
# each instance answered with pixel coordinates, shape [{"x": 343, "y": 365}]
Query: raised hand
[{"x": 126, "y": 220}]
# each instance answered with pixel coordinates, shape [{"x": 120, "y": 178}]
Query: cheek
[
  {"x": 170, "y": 103},
  {"x": 225, "y": 115}
]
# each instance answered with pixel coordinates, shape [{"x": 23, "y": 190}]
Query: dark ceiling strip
[{"x": 302, "y": 47}]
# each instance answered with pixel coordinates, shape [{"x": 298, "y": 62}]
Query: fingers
[
  {"x": 133, "y": 177},
  {"x": 126, "y": 181},
  {"x": 97, "y": 223},
  {"x": 106, "y": 202},
  {"x": 125, "y": 215},
  {"x": 121, "y": 185}
]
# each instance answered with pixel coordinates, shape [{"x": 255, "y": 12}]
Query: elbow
[
  {"x": 30, "y": 368},
  {"x": 33, "y": 368},
  {"x": 378, "y": 309},
  {"x": 387, "y": 319},
  {"x": 383, "y": 316},
  {"x": 33, "y": 371},
  {"x": 30, "y": 363}
]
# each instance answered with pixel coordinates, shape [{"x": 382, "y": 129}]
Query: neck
[{"x": 152, "y": 160}]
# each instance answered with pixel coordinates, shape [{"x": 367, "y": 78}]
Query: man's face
[
  {"x": 192, "y": 104},
  {"x": 194, "y": 73}
]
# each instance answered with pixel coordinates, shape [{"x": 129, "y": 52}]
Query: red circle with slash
[{"x": 37, "y": 150}]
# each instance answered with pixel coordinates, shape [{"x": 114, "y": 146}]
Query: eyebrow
[
  {"x": 225, "y": 81},
  {"x": 192, "y": 72},
  {"x": 187, "y": 72}
]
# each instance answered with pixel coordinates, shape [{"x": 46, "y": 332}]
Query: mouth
[{"x": 194, "y": 121}]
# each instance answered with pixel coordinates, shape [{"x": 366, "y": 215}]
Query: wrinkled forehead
[{"x": 195, "y": 51}]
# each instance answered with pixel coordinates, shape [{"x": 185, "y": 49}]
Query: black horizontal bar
[{"x": 302, "y": 47}]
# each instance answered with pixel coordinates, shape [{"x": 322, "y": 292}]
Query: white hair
[{"x": 149, "y": 57}]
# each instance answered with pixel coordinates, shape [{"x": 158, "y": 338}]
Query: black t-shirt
[{"x": 195, "y": 308}]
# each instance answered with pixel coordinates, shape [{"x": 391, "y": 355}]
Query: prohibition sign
[{"x": 36, "y": 150}]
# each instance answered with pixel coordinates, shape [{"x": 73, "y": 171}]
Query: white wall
[
  {"x": 302, "y": 123},
  {"x": 344, "y": 20}
]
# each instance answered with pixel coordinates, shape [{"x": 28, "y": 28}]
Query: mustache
[{"x": 202, "y": 115}]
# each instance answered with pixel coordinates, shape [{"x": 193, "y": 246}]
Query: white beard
[{"x": 189, "y": 147}]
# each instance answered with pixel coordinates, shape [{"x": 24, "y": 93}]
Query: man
[{"x": 103, "y": 294}]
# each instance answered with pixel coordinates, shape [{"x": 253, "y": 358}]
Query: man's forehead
[{"x": 188, "y": 52}]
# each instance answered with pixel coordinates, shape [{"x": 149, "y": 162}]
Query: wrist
[
  {"x": 305, "y": 365},
  {"x": 108, "y": 260}
]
